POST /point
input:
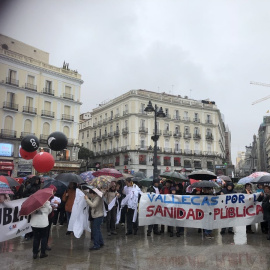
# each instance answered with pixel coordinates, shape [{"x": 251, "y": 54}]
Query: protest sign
[
  {"x": 11, "y": 225},
  {"x": 207, "y": 212}
]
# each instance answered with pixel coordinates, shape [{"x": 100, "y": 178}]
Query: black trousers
[
  {"x": 130, "y": 224},
  {"x": 111, "y": 219},
  {"x": 61, "y": 214},
  {"x": 151, "y": 227},
  {"x": 40, "y": 238}
]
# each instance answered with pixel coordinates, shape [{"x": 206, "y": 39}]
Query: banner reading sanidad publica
[
  {"x": 11, "y": 225},
  {"x": 207, "y": 212}
]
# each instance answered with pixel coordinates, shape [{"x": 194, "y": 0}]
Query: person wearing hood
[
  {"x": 228, "y": 189},
  {"x": 153, "y": 189},
  {"x": 265, "y": 199}
]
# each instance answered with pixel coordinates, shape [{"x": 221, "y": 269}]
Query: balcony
[
  {"x": 68, "y": 96},
  {"x": 110, "y": 135},
  {"x": 125, "y": 113},
  {"x": 143, "y": 130},
  {"x": 209, "y": 137},
  {"x": 141, "y": 148},
  {"x": 105, "y": 136},
  {"x": 7, "y": 133},
  {"x": 67, "y": 117},
  {"x": 48, "y": 91},
  {"x": 47, "y": 114},
  {"x": 196, "y": 120},
  {"x": 186, "y": 119},
  {"x": 43, "y": 138},
  {"x": 99, "y": 138},
  {"x": 187, "y": 135},
  {"x": 176, "y": 117},
  {"x": 105, "y": 120},
  {"x": 29, "y": 110},
  {"x": 198, "y": 152},
  {"x": 94, "y": 124},
  {"x": 110, "y": 151},
  {"x": 168, "y": 116},
  {"x": 167, "y": 133},
  {"x": 23, "y": 134},
  {"x": 177, "y": 135},
  {"x": 142, "y": 112},
  {"x": 12, "y": 81},
  {"x": 167, "y": 150},
  {"x": 124, "y": 148},
  {"x": 158, "y": 132},
  {"x": 210, "y": 153},
  {"x": 209, "y": 121},
  {"x": 10, "y": 106},
  {"x": 94, "y": 140},
  {"x": 177, "y": 151},
  {"x": 117, "y": 115},
  {"x": 125, "y": 131},
  {"x": 31, "y": 87},
  {"x": 196, "y": 136},
  {"x": 117, "y": 133},
  {"x": 100, "y": 122},
  {"x": 188, "y": 152}
]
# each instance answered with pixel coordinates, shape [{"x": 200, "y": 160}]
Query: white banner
[
  {"x": 11, "y": 225},
  {"x": 207, "y": 212}
]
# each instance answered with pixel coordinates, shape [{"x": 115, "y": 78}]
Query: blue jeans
[{"x": 98, "y": 239}]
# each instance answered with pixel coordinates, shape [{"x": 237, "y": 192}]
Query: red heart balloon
[
  {"x": 43, "y": 162},
  {"x": 27, "y": 155}
]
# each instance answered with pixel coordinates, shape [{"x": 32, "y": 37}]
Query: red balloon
[
  {"x": 43, "y": 162},
  {"x": 27, "y": 155}
]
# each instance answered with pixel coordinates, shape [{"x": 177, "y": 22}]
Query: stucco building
[
  {"x": 37, "y": 98},
  {"x": 192, "y": 135}
]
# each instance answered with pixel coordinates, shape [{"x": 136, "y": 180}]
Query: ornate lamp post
[{"x": 157, "y": 113}]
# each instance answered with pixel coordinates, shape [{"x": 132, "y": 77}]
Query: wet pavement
[{"x": 190, "y": 251}]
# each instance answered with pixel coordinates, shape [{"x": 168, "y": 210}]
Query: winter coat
[
  {"x": 96, "y": 205},
  {"x": 39, "y": 218},
  {"x": 69, "y": 200},
  {"x": 30, "y": 189},
  {"x": 265, "y": 206}
]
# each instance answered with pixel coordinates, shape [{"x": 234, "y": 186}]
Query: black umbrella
[
  {"x": 176, "y": 176},
  {"x": 263, "y": 180},
  {"x": 202, "y": 175},
  {"x": 204, "y": 184},
  {"x": 9, "y": 180},
  {"x": 139, "y": 175},
  {"x": 61, "y": 187},
  {"x": 66, "y": 178}
]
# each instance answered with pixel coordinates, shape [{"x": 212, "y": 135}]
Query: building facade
[
  {"x": 37, "y": 98},
  {"x": 191, "y": 136}
]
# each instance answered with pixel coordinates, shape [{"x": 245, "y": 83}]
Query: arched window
[
  {"x": 28, "y": 126},
  {"x": 66, "y": 131},
  {"x": 46, "y": 129},
  {"x": 8, "y": 123}
]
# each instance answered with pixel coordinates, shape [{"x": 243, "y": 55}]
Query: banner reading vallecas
[
  {"x": 11, "y": 225},
  {"x": 207, "y": 212}
]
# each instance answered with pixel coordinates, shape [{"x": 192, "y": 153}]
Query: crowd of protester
[{"x": 124, "y": 212}]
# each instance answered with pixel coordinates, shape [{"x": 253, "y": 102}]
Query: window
[
  {"x": 28, "y": 126},
  {"x": 67, "y": 110},
  {"x": 126, "y": 123},
  {"x": 176, "y": 114},
  {"x": 117, "y": 127},
  {"x": 167, "y": 127},
  {"x": 30, "y": 80},
  {"x": 111, "y": 115},
  {"x": 106, "y": 115},
  {"x": 68, "y": 90},
  {"x": 46, "y": 129},
  {"x": 82, "y": 135},
  {"x": 208, "y": 132},
  {"x": 48, "y": 86},
  {"x": 142, "y": 108},
  {"x": 111, "y": 128},
  {"x": 87, "y": 134},
  {"x": 99, "y": 132},
  {"x": 196, "y": 130},
  {"x": 95, "y": 134},
  {"x": 29, "y": 102},
  {"x": 177, "y": 146},
  {"x": 166, "y": 111},
  {"x": 126, "y": 108},
  {"x": 66, "y": 131},
  {"x": 47, "y": 106},
  {"x": 142, "y": 123},
  {"x": 142, "y": 143},
  {"x": 100, "y": 117},
  {"x": 185, "y": 115},
  {"x": 10, "y": 97},
  {"x": 209, "y": 147},
  {"x": 105, "y": 132},
  {"x": 125, "y": 141},
  {"x": 177, "y": 130},
  {"x": 167, "y": 144},
  {"x": 186, "y": 145},
  {"x": 186, "y": 129},
  {"x": 8, "y": 123}
]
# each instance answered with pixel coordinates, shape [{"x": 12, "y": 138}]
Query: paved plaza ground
[{"x": 190, "y": 251}]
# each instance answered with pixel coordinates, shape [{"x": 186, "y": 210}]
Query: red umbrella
[
  {"x": 9, "y": 181},
  {"x": 108, "y": 171},
  {"x": 35, "y": 201}
]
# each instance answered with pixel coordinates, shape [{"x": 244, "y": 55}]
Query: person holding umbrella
[
  {"x": 97, "y": 214},
  {"x": 248, "y": 190},
  {"x": 39, "y": 223}
]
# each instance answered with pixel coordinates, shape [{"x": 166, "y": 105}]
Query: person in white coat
[{"x": 39, "y": 223}]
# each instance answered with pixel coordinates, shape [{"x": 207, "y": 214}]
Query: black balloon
[
  {"x": 57, "y": 141},
  {"x": 30, "y": 143}
]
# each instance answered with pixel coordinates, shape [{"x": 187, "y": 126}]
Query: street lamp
[{"x": 161, "y": 114}]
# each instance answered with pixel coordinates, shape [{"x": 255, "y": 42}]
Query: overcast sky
[{"x": 199, "y": 48}]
